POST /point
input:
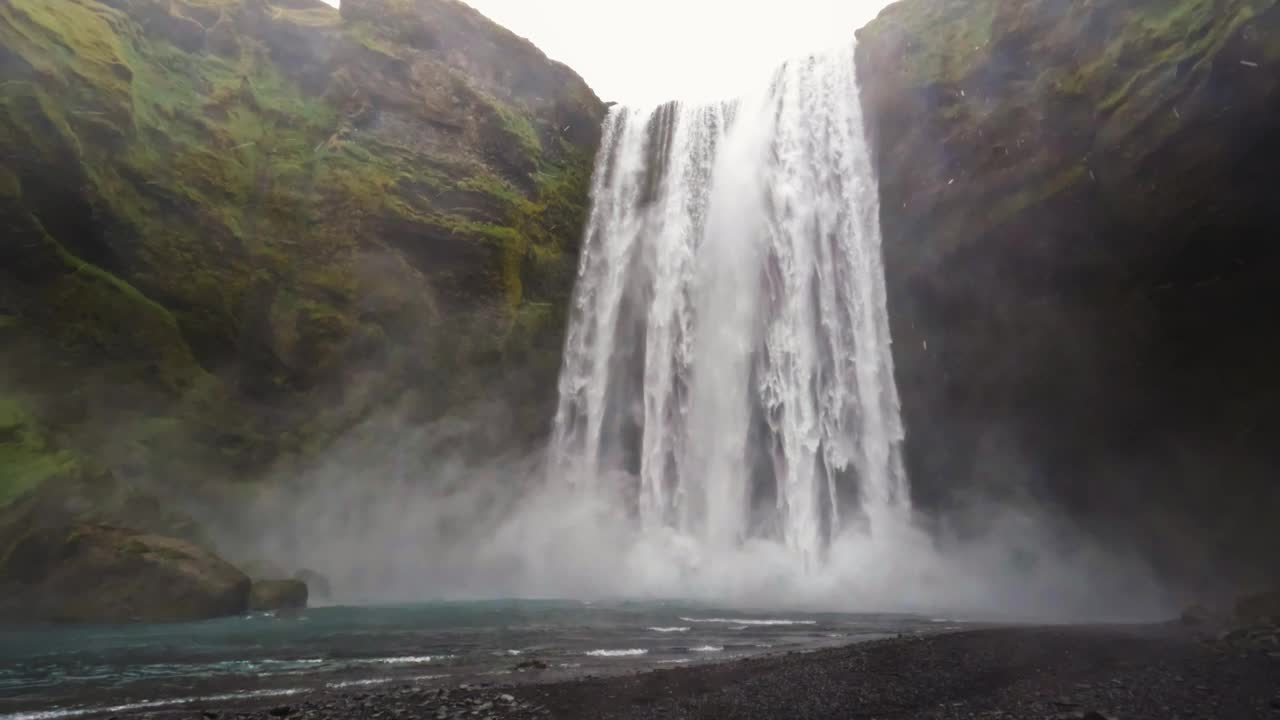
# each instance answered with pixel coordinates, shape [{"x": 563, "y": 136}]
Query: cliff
[
  {"x": 1079, "y": 218},
  {"x": 232, "y": 229}
]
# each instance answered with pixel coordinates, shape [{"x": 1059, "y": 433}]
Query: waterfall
[{"x": 728, "y": 363}]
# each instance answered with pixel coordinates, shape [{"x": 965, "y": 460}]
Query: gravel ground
[{"x": 1064, "y": 673}]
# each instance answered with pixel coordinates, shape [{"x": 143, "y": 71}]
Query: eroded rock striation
[{"x": 1079, "y": 218}]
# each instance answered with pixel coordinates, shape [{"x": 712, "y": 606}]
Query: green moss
[
  {"x": 531, "y": 324},
  {"x": 1033, "y": 193},
  {"x": 944, "y": 39},
  {"x": 10, "y": 186},
  {"x": 238, "y": 202},
  {"x": 491, "y": 185},
  {"x": 373, "y": 37},
  {"x": 519, "y": 127},
  {"x": 1165, "y": 37},
  {"x": 312, "y": 17},
  {"x": 26, "y": 458}
]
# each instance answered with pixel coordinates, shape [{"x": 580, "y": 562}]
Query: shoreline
[{"x": 1081, "y": 672}]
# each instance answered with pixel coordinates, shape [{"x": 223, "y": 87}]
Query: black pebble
[{"x": 282, "y": 711}]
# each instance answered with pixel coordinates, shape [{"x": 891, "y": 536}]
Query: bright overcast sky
[{"x": 646, "y": 51}]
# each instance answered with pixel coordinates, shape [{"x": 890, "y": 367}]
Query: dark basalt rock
[
  {"x": 99, "y": 574},
  {"x": 278, "y": 595},
  {"x": 1079, "y": 220}
]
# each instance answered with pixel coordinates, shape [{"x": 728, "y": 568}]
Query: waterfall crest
[{"x": 728, "y": 363}]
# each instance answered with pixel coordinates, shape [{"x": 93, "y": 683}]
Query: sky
[{"x": 649, "y": 51}]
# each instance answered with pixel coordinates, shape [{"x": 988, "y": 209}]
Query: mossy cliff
[
  {"x": 1079, "y": 218},
  {"x": 232, "y": 228}
]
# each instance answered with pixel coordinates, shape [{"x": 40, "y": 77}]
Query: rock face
[
  {"x": 1079, "y": 219},
  {"x": 278, "y": 595},
  {"x": 233, "y": 229},
  {"x": 99, "y": 574}
]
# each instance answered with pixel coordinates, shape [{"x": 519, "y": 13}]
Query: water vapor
[{"x": 729, "y": 428}]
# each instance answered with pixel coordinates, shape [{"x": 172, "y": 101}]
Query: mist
[
  {"x": 395, "y": 513},
  {"x": 388, "y": 516}
]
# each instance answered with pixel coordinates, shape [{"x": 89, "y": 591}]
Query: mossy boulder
[
  {"x": 99, "y": 574},
  {"x": 278, "y": 595},
  {"x": 1079, "y": 221}
]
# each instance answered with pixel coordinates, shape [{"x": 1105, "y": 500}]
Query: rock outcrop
[
  {"x": 231, "y": 229},
  {"x": 278, "y": 595},
  {"x": 99, "y": 574},
  {"x": 1078, "y": 211}
]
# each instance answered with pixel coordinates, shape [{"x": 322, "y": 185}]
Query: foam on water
[
  {"x": 58, "y": 713},
  {"x": 742, "y": 624},
  {"x": 413, "y": 659},
  {"x": 369, "y": 682}
]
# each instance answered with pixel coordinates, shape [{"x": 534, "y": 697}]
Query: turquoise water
[{"x": 50, "y": 672}]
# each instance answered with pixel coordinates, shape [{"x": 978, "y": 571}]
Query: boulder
[
  {"x": 278, "y": 595},
  {"x": 103, "y": 574}
]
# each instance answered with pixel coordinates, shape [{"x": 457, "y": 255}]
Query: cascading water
[
  {"x": 729, "y": 360},
  {"x": 728, "y": 429}
]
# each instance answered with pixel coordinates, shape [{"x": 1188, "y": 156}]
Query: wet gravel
[{"x": 1063, "y": 673}]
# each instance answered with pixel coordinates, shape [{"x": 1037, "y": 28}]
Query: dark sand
[{"x": 1163, "y": 672}]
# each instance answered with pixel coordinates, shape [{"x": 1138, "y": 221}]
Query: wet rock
[
  {"x": 278, "y": 595},
  {"x": 281, "y": 711},
  {"x": 531, "y": 665},
  {"x": 979, "y": 362},
  {"x": 102, "y": 574}
]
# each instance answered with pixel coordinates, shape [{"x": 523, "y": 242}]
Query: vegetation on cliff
[{"x": 232, "y": 229}]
